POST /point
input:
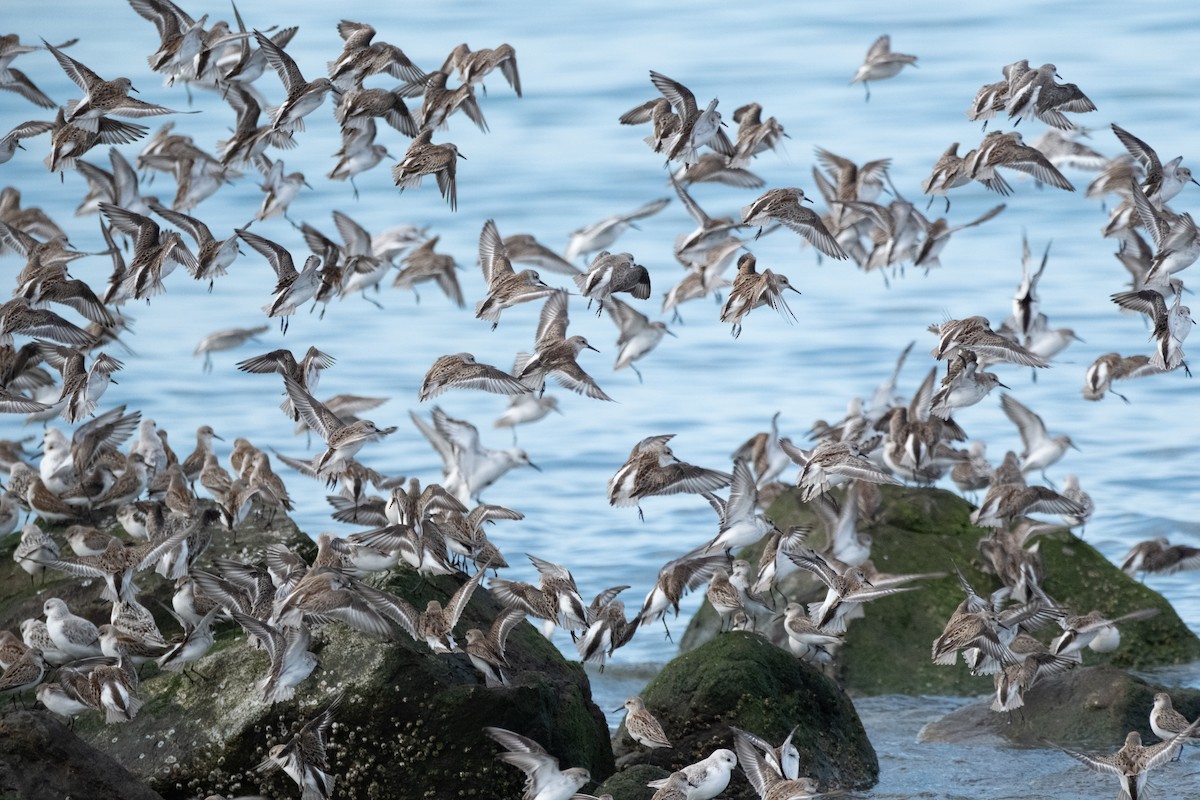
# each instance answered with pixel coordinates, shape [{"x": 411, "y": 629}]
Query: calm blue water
[{"x": 557, "y": 160}]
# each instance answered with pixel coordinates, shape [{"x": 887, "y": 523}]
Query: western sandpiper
[
  {"x": 641, "y": 725},
  {"x": 652, "y": 469},
  {"x": 752, "y": 289},
  {"x": 506, "y": 287},
  {"x": 783, "y": 205},
  {"x": 1133, "y": 761},
  {"x": 555, "y": 354},
  {"x": 696, "y": 128},
  {"x": 544, "y": 779},
  {"x": 1162, "y": 182},
  {"x": 462, "y": 371},
  {"x": 467, "y": 466},
  {"x": 601, "y": 235},
  {"x": 881, "y": 63},
  {"x": 706, "y": 778},
  {"x": 486, "y": 651},
  {"x": 1159, "y": 556},
  {"x": 422, "y": 158},
  {"x": 1166, "y": 722},
  {"x": 304, "y": 757}
]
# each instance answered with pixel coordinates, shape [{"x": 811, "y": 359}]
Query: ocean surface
[{"x": 556, "y": 160}]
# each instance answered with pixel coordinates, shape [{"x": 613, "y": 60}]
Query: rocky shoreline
[{"x": 413, "y": 719}]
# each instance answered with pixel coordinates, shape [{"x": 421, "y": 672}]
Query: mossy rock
[
  {"x": 630, "y": 784},
  {"x": 410, "y": 724},
  {"x": 740, "y": 679},
  {"x": 1085, "y": 707},
  {"x": 921, "y": 530}
]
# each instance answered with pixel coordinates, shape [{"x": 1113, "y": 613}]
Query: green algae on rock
[
  {"x": 410, "y": 725},
  {"x": 741, "y": 679},
  {"x": 922, "y": 530},
  {"x": 630, "y": 784}
]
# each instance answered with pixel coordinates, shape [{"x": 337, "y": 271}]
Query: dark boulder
[{"x": 741, "y": 679}]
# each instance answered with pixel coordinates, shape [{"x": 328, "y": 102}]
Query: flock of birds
[{"x": 85, "y": 479}]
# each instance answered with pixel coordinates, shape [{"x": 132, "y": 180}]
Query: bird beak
[
  {"x": 309, "y": 185},
  {"x": 617, "y": 709},
  {"x": 21, "y": 146},
  {"x": 1075, "y": 446},
  {"x": 589, "y": 347},
  {"x": 221, "y": 438},
  {"x": 134, "y": 90},
  {"x": 1003, "y": 385},
  {"x": 535, "y": 466},
  {"x": 1195, "y": 181},
  {"x": 460, "y": 155},
  {"x": 808, "y": 199},
  {"x": 671, "y": 333},
  {"x": 794, "y": 289}
]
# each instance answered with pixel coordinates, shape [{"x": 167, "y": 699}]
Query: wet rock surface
[
  {"x": 1089, "y": 706},
  {"x": 39, "y": 757}
]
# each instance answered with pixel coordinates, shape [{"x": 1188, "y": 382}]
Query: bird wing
[
  {"x": 358, "y": 241},
  {"x": 572, "y": 376},
  {"x": 458, "y": 602},
  {"x": 1029, "y": 424},
  {"x": 552, "y": 324},
  {"x": 314, "y": 412},
  {"x": 682, "y": 99},
  {"x": 276, "y": 254},
  {"x": 83, "y": 77},
  {"x": 281, "y": 62}
]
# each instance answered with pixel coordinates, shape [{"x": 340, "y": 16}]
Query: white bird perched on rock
[{"x": 705, "y": 779}]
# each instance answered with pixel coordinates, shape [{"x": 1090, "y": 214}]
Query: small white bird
[{"x": 708, "y": 778}]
